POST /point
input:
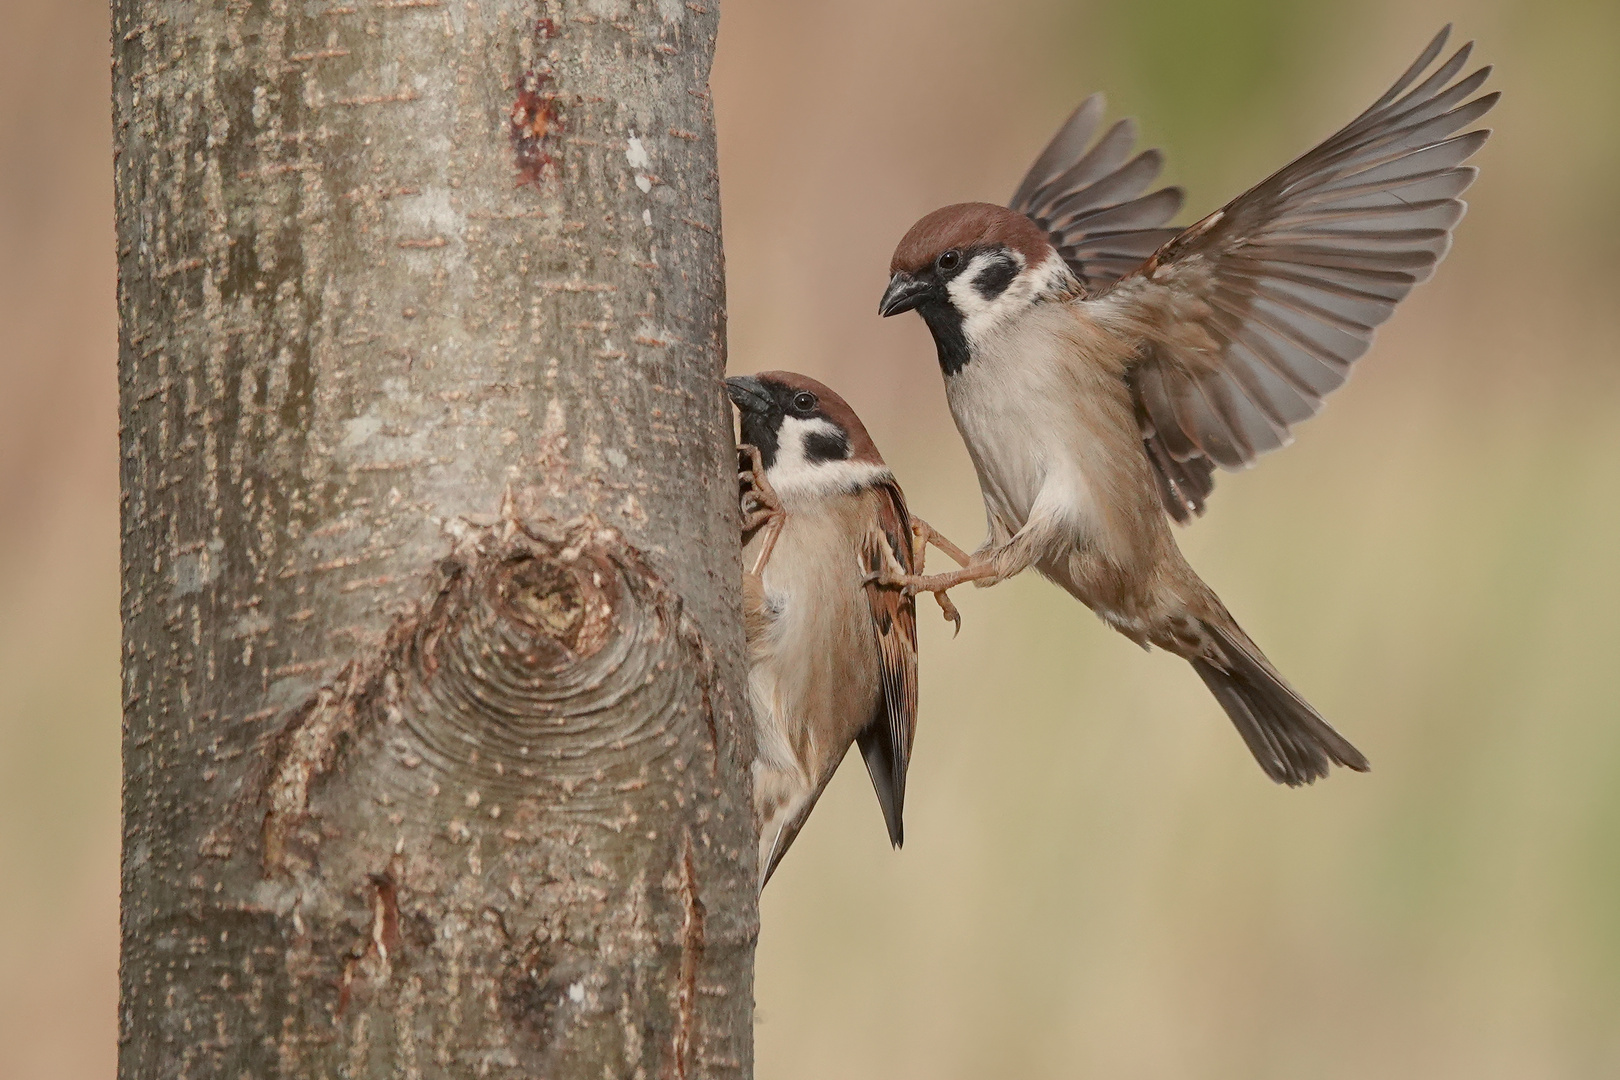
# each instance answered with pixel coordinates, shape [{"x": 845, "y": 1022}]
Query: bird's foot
[
  {"x": 761, "y": 508},
  {"x": 759, "y": 499},
  {"x": 983, "y": 574},
  {"x": 754, "y": 519},
  {"x": 894, "y": 576}
]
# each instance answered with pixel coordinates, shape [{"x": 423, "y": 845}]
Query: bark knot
[{"x": 547, "y": 661}]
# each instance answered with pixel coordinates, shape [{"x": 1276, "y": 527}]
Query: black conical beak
[
  {"x": 904, "y": 293},
  {"x": 748, "y": 394}
]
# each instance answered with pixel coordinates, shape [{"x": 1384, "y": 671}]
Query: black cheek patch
[
  {"x": 995, "y": 277},
  {"x": 822, "y": 446}
]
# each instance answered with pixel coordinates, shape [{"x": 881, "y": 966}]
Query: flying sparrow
[
  {"x": 832, "y": 650},
  {"x": 1099, "y": 365}
]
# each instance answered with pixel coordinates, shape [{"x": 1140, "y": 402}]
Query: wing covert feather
[{"x": 1290, "y": 279}]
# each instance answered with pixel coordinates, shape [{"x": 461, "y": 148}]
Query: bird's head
[
  {"x": 810, "y": 441},
  {"x": 968, "y": 267}
]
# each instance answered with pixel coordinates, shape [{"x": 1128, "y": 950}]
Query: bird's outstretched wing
[
  {"x": 1090, "y": 201},
  {"x": 886, "y": 740},
  {"x": 1250, "y": 317}
]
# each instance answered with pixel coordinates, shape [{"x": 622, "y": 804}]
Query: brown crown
[{"x": 969, "y": 225}]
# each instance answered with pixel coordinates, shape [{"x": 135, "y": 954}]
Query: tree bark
[{"x": 434, "y": 740}]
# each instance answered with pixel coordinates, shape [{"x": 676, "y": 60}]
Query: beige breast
[{"x": 814, "y": 679}]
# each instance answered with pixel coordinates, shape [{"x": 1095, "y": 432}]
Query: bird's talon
[
  {"x": 760, "y": 490},
  {"x": 948, "y": 609}
]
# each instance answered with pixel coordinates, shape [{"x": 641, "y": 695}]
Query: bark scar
[
  {"x": 692, "y": 943},
  {"x": 534, "y": 126},
  {"x": 367, "y": 968},
  {"x": 385, "y": 915}
]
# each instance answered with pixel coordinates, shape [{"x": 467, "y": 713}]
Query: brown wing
[
  {"x": 886, "y": 740},
  {"x": 1090, "y": 201},
  {"x": 1253, "y": 315}
]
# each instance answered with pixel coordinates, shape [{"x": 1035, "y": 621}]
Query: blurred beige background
[{"x": 1098, "y": 881}]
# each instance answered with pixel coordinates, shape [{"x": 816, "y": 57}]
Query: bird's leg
[
  {"x": 893, "y": 575},
  {"x": 926, "y": 534},
  {"x": 761, "y": 506},
  {"x": 982, "y": 571},
  {"x": 773, "y": 529},
  {"x": 996, "y": 562}
]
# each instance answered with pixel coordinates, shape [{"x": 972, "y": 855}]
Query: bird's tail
[{"x": 1290, "y": 740}]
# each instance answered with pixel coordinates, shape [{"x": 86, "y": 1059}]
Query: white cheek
[
  {"x": 1051, "y": 278},
  {"x": 978, "y": 314},
  {"x": 982, "y": 318},
  {"x": 796, "y": 478}
]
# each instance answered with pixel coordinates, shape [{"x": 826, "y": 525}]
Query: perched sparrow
[
  {"x": 832, "y": 654},
  {"x": 1099, "y": 366}
]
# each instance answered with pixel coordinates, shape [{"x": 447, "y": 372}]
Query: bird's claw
[
  {"x": 757, "y": 494},
  {"x": 758, "y": 505},
  {"x": 891, "y": 577}
]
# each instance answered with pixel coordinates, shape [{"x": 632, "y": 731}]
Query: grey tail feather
[
  {"x": 888, "y": 777},
  {"x": 1290, "y": 740}
]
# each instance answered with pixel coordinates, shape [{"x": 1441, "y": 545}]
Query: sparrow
[
  {"x": 1100, "y": 365},
  {"x": 832, "y": 650}
]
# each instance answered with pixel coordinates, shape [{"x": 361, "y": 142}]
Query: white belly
[
  {"x": 1010, "y": 469},
  {"x": 1019, "y": 405}
]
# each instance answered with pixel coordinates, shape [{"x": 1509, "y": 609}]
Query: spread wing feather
[
  {"x": 886, "y": 740},
  {"x": 1283, "y": 287},
  {"x": 1090, "y": 202},
  {"x": 1286, "y": 284}
]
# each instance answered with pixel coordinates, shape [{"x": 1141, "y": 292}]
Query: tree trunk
[{"x": 434, "y": 740}]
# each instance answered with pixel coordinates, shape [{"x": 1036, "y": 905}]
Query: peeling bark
[{"x": 433, "y": 743}]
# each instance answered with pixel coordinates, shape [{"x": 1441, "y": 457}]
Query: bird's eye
[
  {"x": 804, "y": 401},
  {"x": 949, "y": 260}
]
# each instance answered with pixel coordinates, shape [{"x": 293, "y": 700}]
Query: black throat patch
[
  {"x": 759, "y": 431},
  {"x": 945, "y": 323}
]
